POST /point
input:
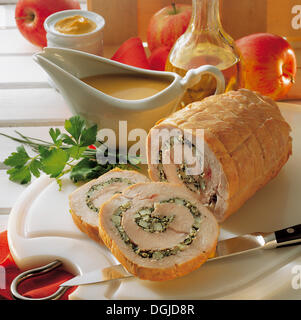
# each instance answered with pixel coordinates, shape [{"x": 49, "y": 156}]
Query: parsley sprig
[{"x": 71, "y": 153}]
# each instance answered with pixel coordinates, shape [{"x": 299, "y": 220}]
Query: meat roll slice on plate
[
  {"x": 246, "y": 141},
  {"x": 158, "y": 231},
  {"x": 86, "y": 200}
]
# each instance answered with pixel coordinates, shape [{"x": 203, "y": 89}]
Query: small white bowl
[{"x": 91, "y": 42}]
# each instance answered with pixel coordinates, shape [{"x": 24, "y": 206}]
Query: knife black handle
[{"x": 288, "y": 236}]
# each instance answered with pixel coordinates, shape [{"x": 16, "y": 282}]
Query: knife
[{"x": 225, "y": 248}]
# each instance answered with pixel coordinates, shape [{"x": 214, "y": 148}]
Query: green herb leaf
[
  {"x": 66, "y": 153},
  {"x": 19, "y": 174},
  {"x": 17, "y": 159},
  {"x": 43, "y": 151},
  {"x": 83, "y": 170},
  {"x": 55, "y": 134},
  {"x": 67, "y": 139},
  {"x": 54, "y": 161},
  {"x": 76, "y": 151},
  {"x": 34, "y": 167},
  {"x": 88, "y": 136},
  {"x": 75, "y": 126},
  {"x": 87, "y": 169}
]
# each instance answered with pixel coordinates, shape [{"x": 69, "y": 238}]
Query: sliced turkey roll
[
  {"x": 158, "y": 231},
  {"x": 86, "y": 200},
  {"x": 246, "y": 141}
]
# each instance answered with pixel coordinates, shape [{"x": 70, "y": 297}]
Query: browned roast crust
[
  {"x": 248, "y": 135},
  {"x": 156, "y": 274},
  {"x": 236, "y": 202},
  {"x": 90, "y": 230}
]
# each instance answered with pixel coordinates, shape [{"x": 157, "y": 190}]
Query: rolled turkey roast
[
  {"x": 86, "y": 200},
  {"x": 158, "y": 231},
  {"x": 246, "y": 141}
]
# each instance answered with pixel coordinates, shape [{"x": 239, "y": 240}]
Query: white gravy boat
[{"x": 66, "y": 67}]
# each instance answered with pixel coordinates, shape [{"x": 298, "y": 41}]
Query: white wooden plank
[
  {"x": 3, "y": 222},
  {"x": 7, "y": 16},
  {"x": 19, "y": 71},
  {"x": 8, "y": 146},
  {"x": 8, "y": 1},
  {"x": 10, "y": 192},
  {"x": 32, "y": 107},
  {"x": 15, "y": 43}
]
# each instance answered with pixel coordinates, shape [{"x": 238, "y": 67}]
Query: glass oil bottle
[{"x": 205, "y": 42}]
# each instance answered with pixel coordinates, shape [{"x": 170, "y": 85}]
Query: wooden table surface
[{"x": 27, "y": 102}]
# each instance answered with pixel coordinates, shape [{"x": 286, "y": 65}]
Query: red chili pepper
[{"x": 92, "y": 147}]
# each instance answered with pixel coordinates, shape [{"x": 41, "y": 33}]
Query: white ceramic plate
[{"x": 40, "y": 229}]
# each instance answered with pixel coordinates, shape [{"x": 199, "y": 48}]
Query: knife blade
[{"x": 225, "y": 248}]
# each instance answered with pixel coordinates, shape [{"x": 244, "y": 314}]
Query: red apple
[
  {"x": 268, "y": 64},
  {"x": 31, "y": 14},
  {"x": 167, "y": 25},
  {"x": 158, "y": 57},
  {"x": 132, "y": 52}
]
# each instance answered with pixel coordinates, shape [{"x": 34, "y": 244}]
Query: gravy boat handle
[{"x": 193, "y": 76}]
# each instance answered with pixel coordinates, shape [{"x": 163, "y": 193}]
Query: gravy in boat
[{"x": 126, "y": 86}]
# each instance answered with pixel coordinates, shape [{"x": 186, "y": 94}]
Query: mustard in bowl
[{"x": 80, "y": 30}]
